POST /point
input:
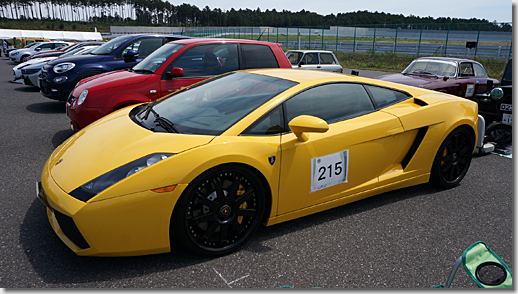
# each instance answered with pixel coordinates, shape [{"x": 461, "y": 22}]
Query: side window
[
  {"x": 479, "y": 70},
  {"x": 148, "y": 46},
  {"x": 257, "y": 56},
  {"x": 133, "y": 46},
  {"x": 46, "y": 47},
  {"x": 331, "y": 102},
  {"x": 326, "y": 58},
  {"x": 207, "y": 60},
  {"x": 311, "y": 58},
  {"x": 383, "y": 96},
  {"x": 466, "y": 69},
  {"x": 270, "y": 124}
]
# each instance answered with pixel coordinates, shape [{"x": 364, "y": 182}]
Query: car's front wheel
[
  {"x": 219, "y": 211},
  {"x": 452, "y": 161},
  {"x": 25, "y": 58}
]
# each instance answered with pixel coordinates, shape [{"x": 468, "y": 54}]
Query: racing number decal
[
  {"x": 470, "y": 90},
  {"x": 329, "y": 170}
]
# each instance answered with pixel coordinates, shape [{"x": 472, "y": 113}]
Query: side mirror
[
  {"x": 131, "y": 55},
  {"x": 303, "y": 124},
  {"x": 489, "y": 86},
  {"x": 301, "y": 63},
  {"x": 176, "y": 72},
  {"x": 37, "y": 49},
  {"x": 445, "y": 78}
]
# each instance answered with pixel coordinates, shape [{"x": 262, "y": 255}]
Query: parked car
[
  {"x": 205, "y": 166},
  {"x": 314, "y": 59},
  {"x": 31, "y": 73},
  {"x": 496, "y": 106},
  {"x": 22, "y": 55},
  {"x": 59, "y": 77},
  {"x": 61, "y": 51},
  {"x": 23, "y": 42},
  {"x": 457, "y": 76},
  {"x": 173, "y": 66},
  {"x": 17, "y": 69},
  {"x": 9, "y": 50}
]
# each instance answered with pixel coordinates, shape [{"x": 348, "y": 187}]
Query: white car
[
  {"x": 17, "y": 70},
  {"x": 314, "y": 59},
  {"x": 22, "y": 55},
  {"x": 31, "y": 72}
]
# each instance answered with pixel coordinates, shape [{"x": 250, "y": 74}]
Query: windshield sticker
[{"x": 329, "y": 170}]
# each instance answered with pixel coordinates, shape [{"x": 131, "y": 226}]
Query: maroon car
[{"x": 461, "y": 77}]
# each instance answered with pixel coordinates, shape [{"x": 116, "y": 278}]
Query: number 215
[{"x": 329, "y": 169}]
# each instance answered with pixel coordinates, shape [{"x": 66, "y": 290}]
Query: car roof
[
  {"x": 311, "y": 51},
  {"x": 447, "y": 59},
  {"x": 219, "y": 40}
]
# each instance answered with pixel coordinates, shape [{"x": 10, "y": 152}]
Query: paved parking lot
[{"x": 402, "y": 239}]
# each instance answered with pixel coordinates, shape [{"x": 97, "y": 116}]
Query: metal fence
[{"x": 455, "y": 40}]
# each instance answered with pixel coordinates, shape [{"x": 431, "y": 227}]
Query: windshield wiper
[
  {"x": 165, "y": 123},
  {"x": 161, "y": 121},
  {"x": 142, "y": 70},
  {"x": 422, "y": 72}
]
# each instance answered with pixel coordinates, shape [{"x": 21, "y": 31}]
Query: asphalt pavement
[{"x": 408, "y": 238}]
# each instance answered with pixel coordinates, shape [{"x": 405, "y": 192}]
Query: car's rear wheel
[
  {"x": 219, "y": 211},
  {"x": 452, "y": 161}
]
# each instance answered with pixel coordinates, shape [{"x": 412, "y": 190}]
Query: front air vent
[
  {"x": 413, "y": 149},
  {"x": 70, "y": 230}
]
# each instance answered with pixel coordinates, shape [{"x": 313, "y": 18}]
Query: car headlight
[
  {"x": 82, "y": 97},
  {"x": 15, "y": 53},
  {"x": 63, "y": 67},
  {"x": 103, "y": 182}
]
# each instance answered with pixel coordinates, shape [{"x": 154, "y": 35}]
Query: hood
[
  {"x": 78, "y": 59},
  {"x": 39, "y": 61},
  {"x": 411, "y": 80},
  {"x": 108, "y": 143},
  {"x": 111, "y": 79}
]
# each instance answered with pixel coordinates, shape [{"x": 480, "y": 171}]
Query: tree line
[{"x": 164, "y": 13}]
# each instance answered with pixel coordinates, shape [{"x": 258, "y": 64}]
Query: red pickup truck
[{"x": 171, "y": 67}]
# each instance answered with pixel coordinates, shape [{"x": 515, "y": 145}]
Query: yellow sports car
[{"x": 207, "y": 165}]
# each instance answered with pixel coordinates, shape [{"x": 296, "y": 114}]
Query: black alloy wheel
[
  {"x": 219, "y": 211},
  {"x": 453, "y": 159}
]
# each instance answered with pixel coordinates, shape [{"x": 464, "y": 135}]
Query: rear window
[{"x": 258, "y": 56}]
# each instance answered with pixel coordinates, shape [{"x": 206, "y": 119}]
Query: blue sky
[{"x": 499, "y": 10}]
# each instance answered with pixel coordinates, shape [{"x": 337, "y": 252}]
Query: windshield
[
  {"x": 294, "y": 57},
  {"x": 431, "y": 67},
  {"x": 212, "y": 107},
  {"x": 153, "y": 62},
  {"x": 109, "y": 47}
]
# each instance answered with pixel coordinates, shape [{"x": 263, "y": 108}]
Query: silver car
[
  {"x": 314, "y": 59},
  {"x": 22, "y": 55}
]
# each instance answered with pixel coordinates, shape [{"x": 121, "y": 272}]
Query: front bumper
[
  {"x": 134, "y": 224},
  {"x": 52, "y": 90},
  {"x": 81, "y": 116}
]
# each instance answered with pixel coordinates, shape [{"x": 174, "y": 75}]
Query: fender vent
[
  {"x": 420, "y": 102},
  {"x": 417, "y": 141}
]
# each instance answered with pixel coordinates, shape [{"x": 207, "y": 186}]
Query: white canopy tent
[{"x": 51, "y": 35}]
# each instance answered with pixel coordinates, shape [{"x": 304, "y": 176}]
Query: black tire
[
  {"x": 453, "y": 158},
  {"x": 24, "y": 58},
  {"x": 218, "y": 211},
  {"x": 499, "y": 133}
]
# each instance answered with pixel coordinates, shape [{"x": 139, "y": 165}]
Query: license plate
[
  {"x": 506, "y": 107},
  {"x": 41, "y": 194},
  {"x": 507, "y": 118}
]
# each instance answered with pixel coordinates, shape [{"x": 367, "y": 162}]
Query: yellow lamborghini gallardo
[{"x": 206, "y": 165}]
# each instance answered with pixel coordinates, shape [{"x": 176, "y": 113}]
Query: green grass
[{"x": 390, "y": 62}]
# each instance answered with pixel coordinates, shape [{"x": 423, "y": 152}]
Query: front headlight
[
  {"x": 82, "y": 97},
  {"x": 103, "y": 182},
  {"x": 63, "y": 67},
  {"x": 15, "y": 53}
]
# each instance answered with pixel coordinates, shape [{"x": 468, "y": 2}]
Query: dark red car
[
  {"x": 173, "y": 66},
  {"x": 461, "y": 77}
]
